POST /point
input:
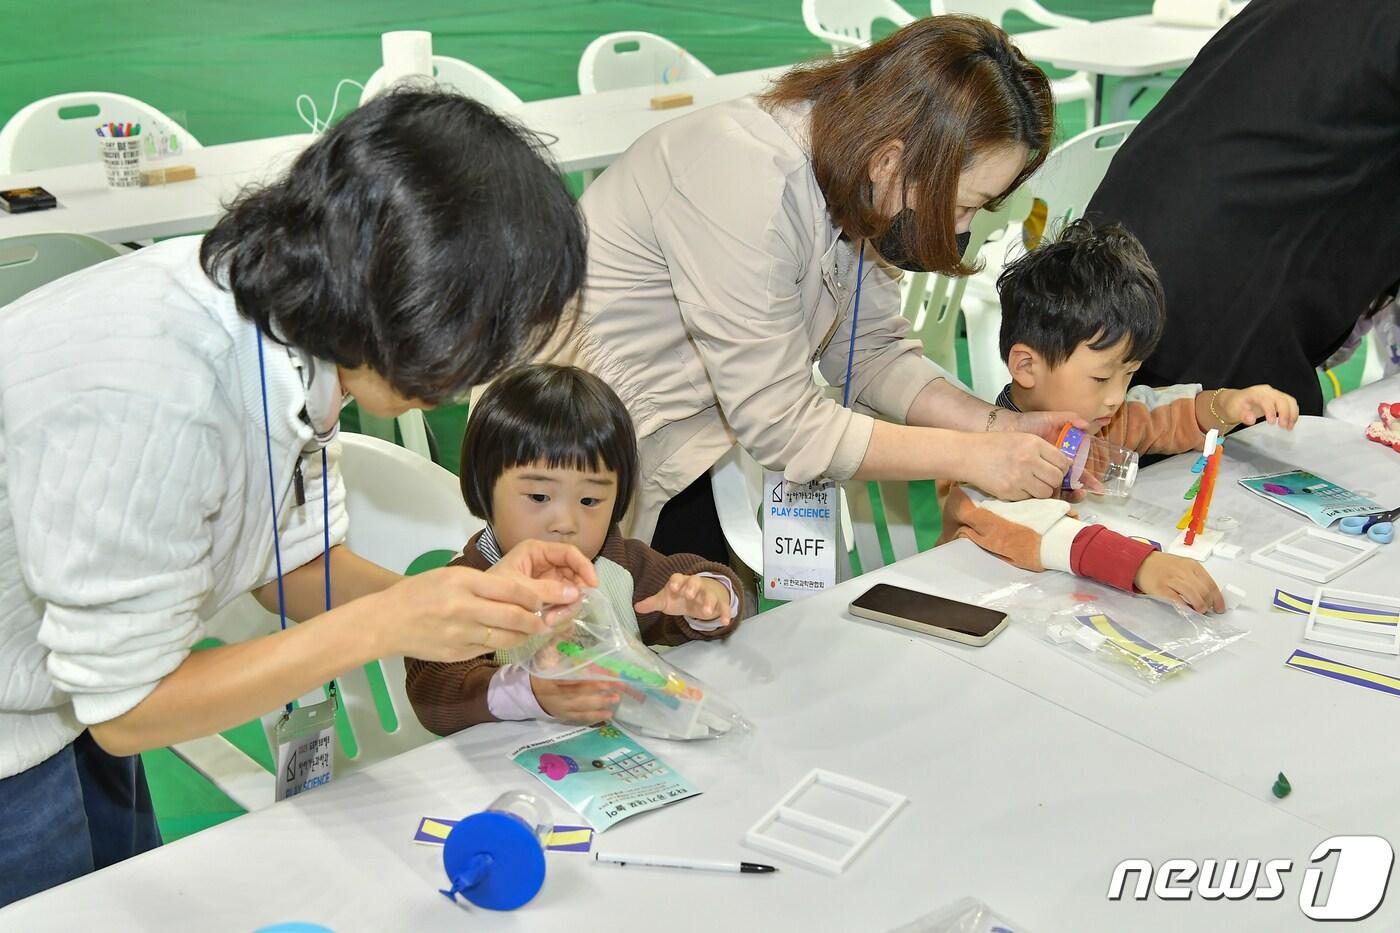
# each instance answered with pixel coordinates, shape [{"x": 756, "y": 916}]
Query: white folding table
[
  {"x": 1011, "y": 798},
  {"x": 1125, "y": 47},
  {"x": 1029, "y": 776},
  {"x": 584, "y": 131}
]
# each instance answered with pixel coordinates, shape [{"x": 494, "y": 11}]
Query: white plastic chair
[
  {"x": 859, "y": 499},
  {"x": 462, "y": 77},
  {"x": 933, "y": 302},
  {"x": 62, "y": 130},
  {"x": 1065, "y": 183},
  {"x": 849, "y": 24},
  {"x": 400, "y": 506},
  {"x": 635, "y": 59},
  {"x": 1078, "y": 86},
  {"x": 413, "y": 430},
  {"x": 736, "y": 482},
  {"x": 1374, "y": 369},
  {"x": 1073, "y": 172},
  {"x": 27, "y": 262}
]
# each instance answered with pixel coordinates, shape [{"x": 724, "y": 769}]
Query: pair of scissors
[{"x": 1380, "y": 527}]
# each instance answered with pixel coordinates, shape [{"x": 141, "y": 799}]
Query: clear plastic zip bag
[
  {"x": 1153, "y": 639},
  {"x": 658, "y": 698},
  {"x": 968, "y": 915}
]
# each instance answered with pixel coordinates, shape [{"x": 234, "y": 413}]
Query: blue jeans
[{"x": 76, "y": 812}]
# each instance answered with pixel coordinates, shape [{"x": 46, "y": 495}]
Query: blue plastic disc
[{"x": 512, "y": 871}]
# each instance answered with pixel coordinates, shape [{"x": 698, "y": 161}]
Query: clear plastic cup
[
  {"x": 1099, "y": 466},
  {"x": 527, "y": 807},
  {"x": 495, "y": 858}
]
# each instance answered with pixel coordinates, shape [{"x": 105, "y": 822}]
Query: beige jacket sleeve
[
  {"x": 733, "y": 253},
  {"x": 888, "y": 370}
]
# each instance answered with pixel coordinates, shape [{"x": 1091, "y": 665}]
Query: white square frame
[
  {"x": 854, "y": 840},
  {"x": 1287, "y": 556},
  {"x": 1344, "y": 640}
]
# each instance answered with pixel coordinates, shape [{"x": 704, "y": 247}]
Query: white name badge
[
  {"x": 305, "y": 748},
  {"x": 799, "y": 536}
]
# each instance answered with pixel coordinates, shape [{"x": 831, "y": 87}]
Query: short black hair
[
  {"x": 558, "y": 415},
  {"x": 424, "y": 236},
  {"x": 1090, "y": 285}
]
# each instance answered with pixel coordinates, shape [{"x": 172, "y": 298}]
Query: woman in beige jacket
[{"x": 723, "y": 256}]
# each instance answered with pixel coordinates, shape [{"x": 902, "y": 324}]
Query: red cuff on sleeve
[{"x": 1107, "y": 556}]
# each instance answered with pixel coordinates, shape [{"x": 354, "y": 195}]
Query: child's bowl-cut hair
[{"x": 561, "y": 416}]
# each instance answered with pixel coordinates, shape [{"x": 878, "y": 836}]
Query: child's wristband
[
  {"x": 710, "y": 625},
  {"x": 509, "y": 695}
]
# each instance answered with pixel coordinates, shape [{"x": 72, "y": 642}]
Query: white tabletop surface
[
  {"x": 1129, "y": 46},
  {"x": 87, "y": 205},
  {"x": 1011, "y": 798},
  {"x": 587, "y": 131},
  {"x": 1029, "y": 777},
  {"x": 1241, "y": 716},
  {"x": 583, "y": 132},
  {"x": 1358, "y": 406}
]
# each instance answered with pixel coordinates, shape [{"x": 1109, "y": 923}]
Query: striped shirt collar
[
  {"x": 1004, "y": 399},
  {"x": 487, "y": 546}
]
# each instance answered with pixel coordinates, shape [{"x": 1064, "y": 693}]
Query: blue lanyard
[
  {"x": 272, "y": 490},
  {"x": 855, "y": 316}
]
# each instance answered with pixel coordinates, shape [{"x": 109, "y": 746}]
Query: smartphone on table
[{"x": 929, "y": 614}]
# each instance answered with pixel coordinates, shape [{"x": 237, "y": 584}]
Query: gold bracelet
[
  {"x": 1215, "y": 414},
  {"x": 992, "y": 417}
]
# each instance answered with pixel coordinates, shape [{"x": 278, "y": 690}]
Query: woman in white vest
[
  {"x": 152, "y": 406},
  {"x": 723, "y": 255}
]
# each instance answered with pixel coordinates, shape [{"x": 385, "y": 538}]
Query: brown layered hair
[{"x": 948, "y": 88}]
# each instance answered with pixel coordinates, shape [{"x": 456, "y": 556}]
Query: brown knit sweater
[{"x": 450, "y": 696}]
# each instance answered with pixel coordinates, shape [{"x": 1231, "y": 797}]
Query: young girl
[{"x": 550, "y": 454}]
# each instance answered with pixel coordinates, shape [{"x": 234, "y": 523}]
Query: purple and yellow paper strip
[
  {"x": 433, "y": 831},
  {"x": 1333, "y": 609},
  {"x": 1316, "y": 664},
  {"x": 1130, "y": 643}
]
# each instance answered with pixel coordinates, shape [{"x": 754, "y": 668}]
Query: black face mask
[{"x": 897, "y": 245}]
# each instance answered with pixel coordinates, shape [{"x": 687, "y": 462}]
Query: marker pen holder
[
  {"x": 495, "y": 858},
  {"x": 1114, "y": 468},
  {"x": 121, "y": 159}
]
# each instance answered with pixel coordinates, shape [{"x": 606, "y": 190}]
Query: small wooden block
[
  {"x": 167, "y": 175},
  {"x": 667, "y": 101}
]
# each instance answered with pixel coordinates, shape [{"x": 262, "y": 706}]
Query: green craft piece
[
  {"x": 1281, "y": 787},
  {"x": 430, "y": 560},
  {"x": 1195, "y": 488},
  {"x": 625, "y": 670}
]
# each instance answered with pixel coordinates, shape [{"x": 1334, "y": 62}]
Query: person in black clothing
[{"x": 1266, "y": 188}]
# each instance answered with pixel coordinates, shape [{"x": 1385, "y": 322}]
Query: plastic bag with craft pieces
[
  {"x": 968, "y": 915},
  {"x": 1115, "y": 632},
  {"x": 658, "y": 698}
]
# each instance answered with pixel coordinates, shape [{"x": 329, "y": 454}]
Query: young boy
[
  {"x": 1079, "y": 316},
  {"x": 550, "y": 454}
]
